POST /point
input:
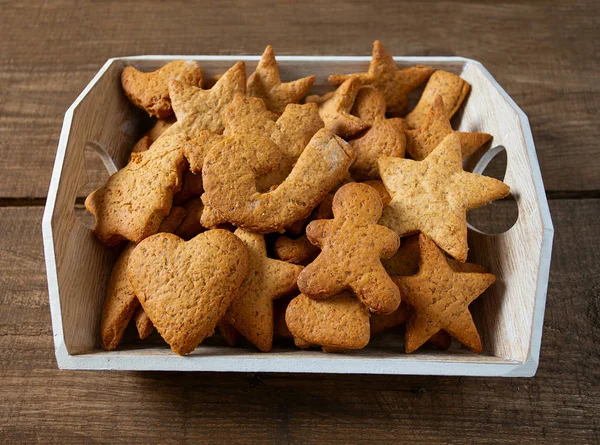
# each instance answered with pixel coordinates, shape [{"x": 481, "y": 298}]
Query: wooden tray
[{"x": 509, "y": 315}]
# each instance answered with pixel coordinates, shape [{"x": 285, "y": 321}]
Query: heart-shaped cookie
[{"x": 185, "y": 287}]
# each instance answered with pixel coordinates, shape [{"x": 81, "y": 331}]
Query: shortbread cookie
[
  {"x": 352, "y": 245},
  {"x": 385, "y": 137},
  {"x": 186, "y": 307},
  {"x": 120, "y": 303},
  {"x": 251, "y": 312},
  {"x": 439, "y": 298},
  {"x": 150, "y": 91},
  {"x": 449, "y": 86},
  {"x": 335, "y": 108},
  {"x": 432, "y": 196},
  {"x": 383, "y": 74},
  {"x": 197, "y": 109},
  {"x": 232, "y": 166},
  {"x": 143, "y": 323},
  {"x": 339, "y": 322},
  {"x": 295, "y": 251},
  {"x": 436, "y": 126},
  {"x": 266, "y": 84}
]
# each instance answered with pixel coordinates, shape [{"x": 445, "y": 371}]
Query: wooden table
[{"x": 545, "y": 54}]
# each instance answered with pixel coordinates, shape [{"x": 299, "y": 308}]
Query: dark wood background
[{"x": 544, "y": 53}]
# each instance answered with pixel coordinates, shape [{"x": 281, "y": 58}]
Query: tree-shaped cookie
[
  {"x": 384, "y": 75},
  {"x": 439, "y": 298},
  {"x": 352, "y": 245},
  {"x": 436, "y": 126},
  {"x": 432, "y": 196},
  {"x": 385, "y": 137},
  {"x": 266, "y": 84},
  {"x": 251, "y": 311}
]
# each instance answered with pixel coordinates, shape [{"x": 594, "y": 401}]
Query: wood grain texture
[
  {"x": 545, "y": 54},
  {"x": 39, "y": 403}
]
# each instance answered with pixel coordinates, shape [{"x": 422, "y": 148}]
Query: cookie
[
  {"x": 266, "y": 84},
  {"x": 251, "y": 312},
  {"x": 142, "y": 145},
  {"x": 383, "y": 74},
  {"x": 385, "y": 137},
  {"x": 432, "y": 196},
  {"x": 436, "y": 126},
  {"x": 380, "y": 323},
  {"x": 191, "y": 187},
  {"x": 197, "y": 109},
  {"x": 231, "y": 167},
  {"x": 295, "y": 251},
  {"x": 380, "y": 188},
  {"x": 211, "y": 218},
  {"x": 134, "y": 200},
  {"x": 160, "y": 126},
  {"x": 190, "y": 226},
  {"x": 439, "y": 298},
  {"x": 352, "y": 245},
  {"x": 120, "y": 303},
  {"x": 339, "y": 322},
  {"x": 150, "y": 91},
  {"x": 449, "y": 86},
  {"x": 228, "y": 332},
  {"x": 143, "y": 323},
  {"x": 185, "y": 307},
  {"x": 172, "y": 220},
  {"x": 212, "y": 81},
  {"x": 335, "y": 110},
  {"x": 280, "y": 329}
]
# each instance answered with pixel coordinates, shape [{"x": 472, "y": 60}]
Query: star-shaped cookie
[
  {"x": 197, "y": 109},
  {"x": 436, "y": 126},
  {"x": 335, "y": 108},
  {"x": 266, "y": 84},
  {"x": 251, "y": 311},
  {"x": 439, "y": 298},
  {"x": 383, "y": 74},
  {"x": 432, "y": 196}
]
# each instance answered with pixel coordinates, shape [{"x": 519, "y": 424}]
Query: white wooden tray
[{"x": 509, "y": 315}]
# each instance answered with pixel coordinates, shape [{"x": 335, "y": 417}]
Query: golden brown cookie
[
  {"x": 212, "y": 81},
  {"x": 191, "y": 226},
  {"x": 197, "y": 109},
  {"x": 432, "y": 196},
  {"x": 339, "y": 322},
  {"x": 160, "y": 126},
  {"x": 191, "y": 187},
  {"x": 352, "y": 245},
  {"x": 383, "y": 74},
  {"x": 450, "y": 87},
  {"x": 150, "y": 91},
  {"x": 385, "y": 137},
  {"x": 172, "y": 220},
  {"x": 439, "y": 298},
  {"x": 229, "y": 333},
  {"x": 143, "y": 323},
  {"x": 211, "y": 218},
  {"x": 120, "y": 303},
  {"x": 185, "y": 306},
  {"x": 266, "y": 84},
  {"x": 380, "y": 323},
  {"x": 231, "y": 167},
  {"x": 251, "y": 312},
  {"x": 280, "y": 329},
  {"x": 295, "y": 251},
  {"x": 134, "y": 200},
  {"x": 142, "y": 145},
  {"x": 436, "y": 126},
  {"x": 335, "y": 110},
  {"x": 380, "y": 188}
]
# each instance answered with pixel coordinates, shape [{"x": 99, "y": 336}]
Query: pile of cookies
[{"x": 324, "y": 222}]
